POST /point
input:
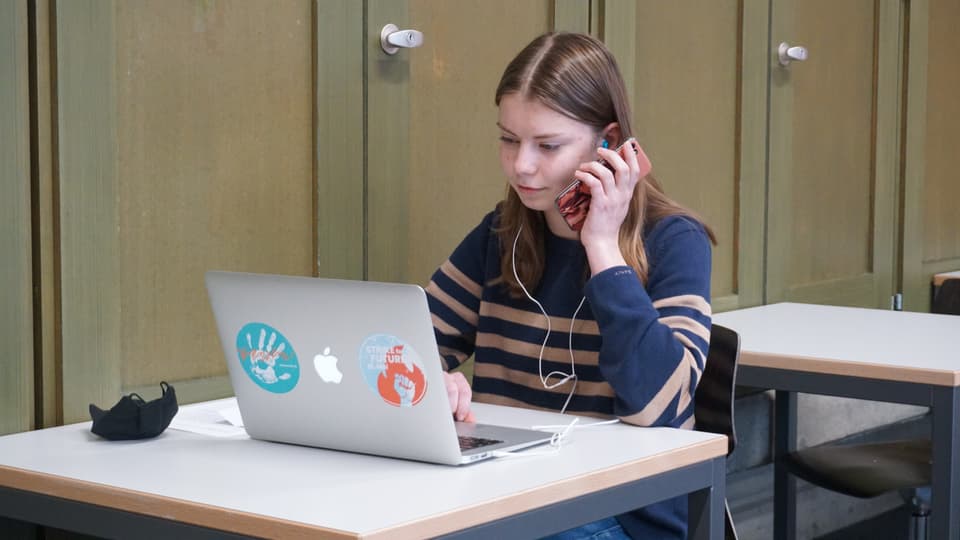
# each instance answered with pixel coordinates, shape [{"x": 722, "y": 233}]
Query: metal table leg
[
  {"x": 944, "y": 512},
  {"x": 706, "y": 506},
  {"x": 784, "y": 484}
]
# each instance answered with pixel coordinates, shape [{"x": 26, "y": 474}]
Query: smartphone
[{"x": 574, "y": 201}]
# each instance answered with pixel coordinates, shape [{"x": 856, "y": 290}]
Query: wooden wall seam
[{"x": 916, "y": 295}]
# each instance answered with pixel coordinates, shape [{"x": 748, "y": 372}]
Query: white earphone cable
[
  {"x": 573, "y": 370},
  {"x": 561, "y": 431},
  {"x": 560, "y": 436}
]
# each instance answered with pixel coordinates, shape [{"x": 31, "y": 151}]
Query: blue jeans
[{"x": 605, "y": 529}]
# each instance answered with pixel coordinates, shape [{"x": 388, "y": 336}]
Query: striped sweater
[{"x": 639, "y": 351}]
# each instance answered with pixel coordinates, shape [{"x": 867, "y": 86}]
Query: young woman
[{"x": 611, "y": 320}]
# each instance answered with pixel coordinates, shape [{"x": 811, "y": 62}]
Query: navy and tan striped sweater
[{"x": 639, "y": 351}]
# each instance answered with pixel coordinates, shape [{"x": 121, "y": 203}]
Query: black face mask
[{"x": 134, "y": 418}]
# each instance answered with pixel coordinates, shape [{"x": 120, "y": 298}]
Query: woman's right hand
[{"x": 460, "y": 395}]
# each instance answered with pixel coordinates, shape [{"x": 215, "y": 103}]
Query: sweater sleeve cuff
[{"x": 614, "y": 289}]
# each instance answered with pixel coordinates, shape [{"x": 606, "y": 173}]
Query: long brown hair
[{"x": 577, "y": 76}]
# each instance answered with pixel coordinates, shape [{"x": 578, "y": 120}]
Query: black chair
[
  {"x": 947, "y": 299},
  {"x": 872, "y": 469},
  {"x": 713, "y": 400}
]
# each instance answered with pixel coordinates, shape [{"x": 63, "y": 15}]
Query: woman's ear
[{"x": 611, "y": 134}]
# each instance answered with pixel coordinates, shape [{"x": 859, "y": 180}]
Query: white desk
[
  {"x": 879, "y": 355},
  {"x": 187, "y": 485}
]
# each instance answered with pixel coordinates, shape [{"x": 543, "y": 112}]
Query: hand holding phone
[{"x": 574, "y": 201}]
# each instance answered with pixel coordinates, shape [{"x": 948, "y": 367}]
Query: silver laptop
[{"x": 345, "y": 365}]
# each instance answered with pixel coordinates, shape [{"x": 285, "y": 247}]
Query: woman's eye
[
  {"x": 549, "y": 147},
  {"x": 508, "y": 140}
]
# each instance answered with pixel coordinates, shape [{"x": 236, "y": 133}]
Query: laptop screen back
[{"x": 346, "y": 365}]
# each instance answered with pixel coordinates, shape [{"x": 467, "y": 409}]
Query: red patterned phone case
[{"x": 574, "y": 201}]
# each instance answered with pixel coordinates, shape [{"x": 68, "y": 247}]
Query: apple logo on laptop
[{"x": 326, "y": 366}]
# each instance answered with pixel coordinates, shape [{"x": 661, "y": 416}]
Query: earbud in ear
[{"x": 605, "y": 144}]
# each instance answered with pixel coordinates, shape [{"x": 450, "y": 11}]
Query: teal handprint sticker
[{"x": 268, "y": 358}]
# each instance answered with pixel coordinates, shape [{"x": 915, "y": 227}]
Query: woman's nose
[{"x": 525, "y": 162}]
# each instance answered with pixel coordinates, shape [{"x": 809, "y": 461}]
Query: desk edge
[
  {"x": 162, "y": 507},
  {"x": 833, "y": 366},
  {"x": 532, "y": 499},
  {"x": 220, "y": 518}
]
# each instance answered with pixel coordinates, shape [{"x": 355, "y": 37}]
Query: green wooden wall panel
[
  {"x": 89, "y": 216},
  {"x": 340, "y": 138},
  {"x": 572, "y": 15},
  {"x": 16, "y": 325}
]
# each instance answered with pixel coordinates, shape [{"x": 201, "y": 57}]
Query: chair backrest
[
  {"x": 947, "y": 300},
  {"x": 713, "y": 400}
]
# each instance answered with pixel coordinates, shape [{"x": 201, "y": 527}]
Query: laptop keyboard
[{"x": 469, "y": 443}]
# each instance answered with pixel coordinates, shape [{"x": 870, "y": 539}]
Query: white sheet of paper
[
  {"x": 218, "y": 418},
  {"x": 232, "y": 415}
]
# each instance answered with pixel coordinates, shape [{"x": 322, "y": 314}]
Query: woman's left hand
[{"x": 611, "y": 193}]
